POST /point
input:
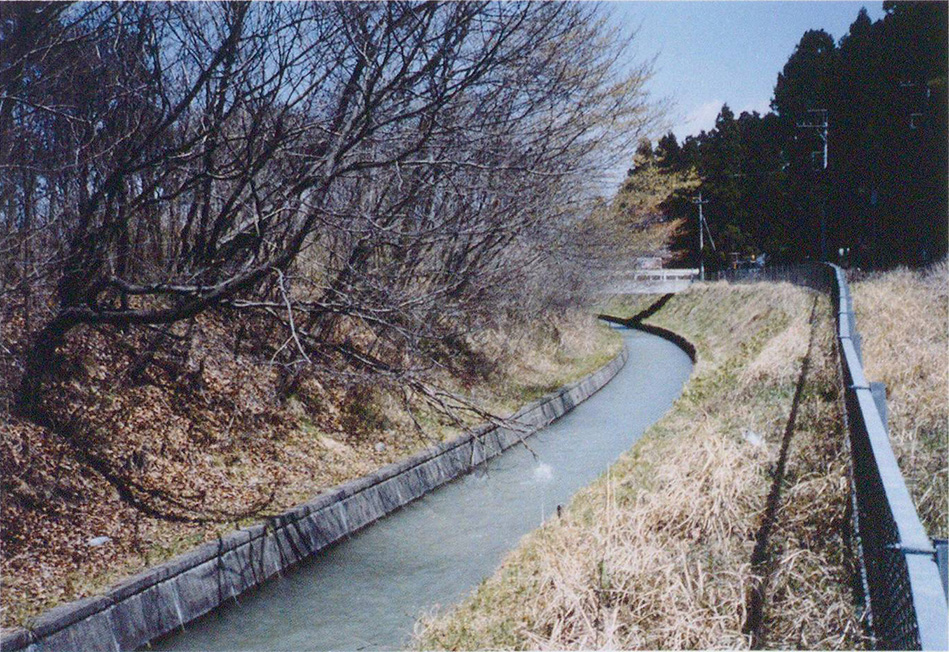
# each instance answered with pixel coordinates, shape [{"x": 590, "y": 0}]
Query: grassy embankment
[
  {"x": 222, "y": 435},
  {"x": 709, "y": 533},
  {"x": 904, "y": 319}
]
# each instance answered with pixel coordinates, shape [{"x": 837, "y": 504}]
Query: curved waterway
[{"x": 367, "y": 592}]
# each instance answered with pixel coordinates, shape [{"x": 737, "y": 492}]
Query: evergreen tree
[{"x": 883, "y": 195}]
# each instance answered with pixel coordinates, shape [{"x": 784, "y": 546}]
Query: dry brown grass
[
  {"x": 904, "y": 319},
  {"x": 657, "y": 554},
  {"x": 557, "y": 350},
  {"x": 226, "y": 442}
]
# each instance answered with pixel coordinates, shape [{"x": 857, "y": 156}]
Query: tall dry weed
[{"x": 903, "y": 316}]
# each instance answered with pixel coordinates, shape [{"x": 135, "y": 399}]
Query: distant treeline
[{"x": 882, "y": 91}]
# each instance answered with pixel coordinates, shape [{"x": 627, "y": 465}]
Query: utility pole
[
  {"x": 822, "y": 131},
  {"x": 698, "y": 200}
]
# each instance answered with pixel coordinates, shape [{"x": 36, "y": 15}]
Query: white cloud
[
  {"x": 699, "y": 118},
  {"x": 702, "y": 117},
  {"x": 761, "y": 107}
]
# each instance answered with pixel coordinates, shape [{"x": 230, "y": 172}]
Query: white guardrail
[{"x": 660, "y": 275}]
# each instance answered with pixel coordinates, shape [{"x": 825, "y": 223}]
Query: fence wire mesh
[
  {"x": 903, "y": 610},
  {"x": 813, "y": 275}
]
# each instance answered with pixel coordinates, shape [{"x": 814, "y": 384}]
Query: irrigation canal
[{"x": 367, "y": 592}]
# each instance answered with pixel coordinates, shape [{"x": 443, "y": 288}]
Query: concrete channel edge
[{"x": 165, "y": 598}]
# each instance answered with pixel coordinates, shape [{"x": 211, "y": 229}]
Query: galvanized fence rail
[{"x": 904, "y": 597}]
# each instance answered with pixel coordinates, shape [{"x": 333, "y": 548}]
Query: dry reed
[{"x": 903, "y": 317}]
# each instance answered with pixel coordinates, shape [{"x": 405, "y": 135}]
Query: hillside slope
[{"x": 213, "y": 439}]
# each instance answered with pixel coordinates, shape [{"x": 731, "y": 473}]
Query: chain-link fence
[
  {"x": 904, "y": 597},
  {"x": 906, "y": 604},
  {"x": 813, "y": 275}
]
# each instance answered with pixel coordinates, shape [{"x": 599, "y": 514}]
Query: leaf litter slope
[{"x": 228, "y": 438}]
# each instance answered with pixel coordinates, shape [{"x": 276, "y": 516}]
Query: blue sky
[{"x": 710, "y": 53}]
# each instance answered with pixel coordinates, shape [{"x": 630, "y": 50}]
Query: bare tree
[{"x": 401, "y": 168}]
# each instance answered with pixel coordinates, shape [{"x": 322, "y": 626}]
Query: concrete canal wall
[{"x": 166, "y": 597}]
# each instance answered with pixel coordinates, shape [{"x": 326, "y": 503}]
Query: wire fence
[
  {"x": 904, "y": 598},
  {"x": 813, "y": 275}
]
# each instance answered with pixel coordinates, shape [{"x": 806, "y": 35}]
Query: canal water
[{"x": 366, "y": 592}]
